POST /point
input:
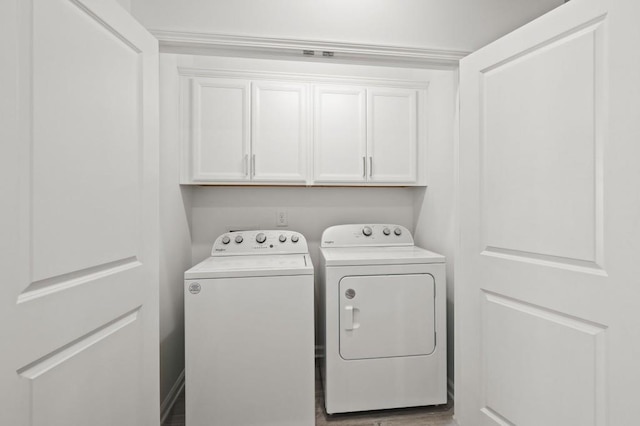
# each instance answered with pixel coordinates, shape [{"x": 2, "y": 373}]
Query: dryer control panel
[
  {"x": 358, "y": 235},
  {"x": 259, "y": 242}
]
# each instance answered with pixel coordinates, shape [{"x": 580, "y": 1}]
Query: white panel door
[
  {"x": 220, "y": 129},
  {"x": 392, "y": 135},
  {"x": 79, "y": 216},
  {"x": 385, "y": 316},
  {"x": 279, "y": 139},
  {"x": 339, "y": 134},
  {"x": 547, "y": 298}
]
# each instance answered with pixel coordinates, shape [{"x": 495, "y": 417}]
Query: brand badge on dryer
[{"x": 194, "y": 288}]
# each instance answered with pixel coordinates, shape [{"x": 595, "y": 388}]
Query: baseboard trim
[
  {"x": 450, "y": 388},
  {"x": 170, "y": 400}
]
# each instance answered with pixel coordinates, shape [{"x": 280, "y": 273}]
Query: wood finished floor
[{"x": 424, "y": 416}]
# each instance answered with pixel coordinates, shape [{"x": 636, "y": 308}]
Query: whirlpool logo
[{"x": 194, "y": 288}]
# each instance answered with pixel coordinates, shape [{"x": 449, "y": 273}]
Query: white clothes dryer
[
  {"x": 383, "y": 320},
  {"x": 249, "y": 332}
]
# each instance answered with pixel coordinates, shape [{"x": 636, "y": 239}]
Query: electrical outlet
[{"x": 281, "y": 218}]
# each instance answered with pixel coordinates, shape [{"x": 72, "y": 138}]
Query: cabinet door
[
  {"x": 220, "y": 130},
  {"x": 279, "y": 147},
  {"x": 339, "y": 134},
  {"x": 392, "y": 135}
]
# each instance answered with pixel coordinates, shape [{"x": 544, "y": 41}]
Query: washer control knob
[
  {"x": 386, "y": 231},
  {"x": 397, "y": 231},
  {"x": 239, "y": 239},
  {"x": 367, "y": 231},
  {"x": 226, "y": 239},
  {"x": 294, "y": 238},
  {"x": 282, "y": 238},
  {"x": 261, "y": 238}
]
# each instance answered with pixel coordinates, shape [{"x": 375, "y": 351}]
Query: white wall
[
  {"x": 434, "y": 206},
  {"x": 450, "y": 24},
  {"x": 310, "y": 210},
  {"x": 175, "y": 237}
]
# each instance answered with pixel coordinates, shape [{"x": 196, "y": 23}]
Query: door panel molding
[
  {"x": 534, "y": 153},
  {"x": 52, "y": 285},
  {"x": 58, "y": 356},
  {"x": 92, "y": 380},
  {"x": 521, "y": 372},
  {"x": 589, "y": 26},
  {"x": 495, "y": 418},
  {"x": 561, "y": 318},
  {"x": 87, "y": 7},
  {"x": 569, "y": 264},
  {"x": 81, "y": 213}
]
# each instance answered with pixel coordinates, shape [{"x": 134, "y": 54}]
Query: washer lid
[
  {"x": 348, "y": 256},
  {"x": 251, "y": 266}
]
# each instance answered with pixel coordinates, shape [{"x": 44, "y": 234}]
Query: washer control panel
[
  {"x": 355, "y": 235},
  {"x": 259, "y": 242}
]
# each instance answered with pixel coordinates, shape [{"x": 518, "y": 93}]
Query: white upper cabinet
[
  {"x": 392, "y": 135},
  {"x": 340, "y": 143},
  {"x": 299, "y": 131},
  {"x": 365, "y": 135},
  {"x": 219, "y": 130},
  {"x": 279, "y": 132}
]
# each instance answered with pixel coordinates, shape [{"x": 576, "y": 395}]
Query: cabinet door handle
[
  {"x": 371, "y": 166},
  {"x": 253, "y": 164},
  {"x": 364, "y": 166},
  {"x": 245, "y": 165}
]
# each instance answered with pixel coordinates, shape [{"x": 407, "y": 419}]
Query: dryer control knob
[
  {"x": 261, "y": 238},
  {"x": 367, "y": 231},
  {"x": 282, "y": 238},
  {"x": 397, "y": 231},
  {"x": 386, "y": 231},
  {"x": 294, "y": 238},
  {"x": 239, "y": 239},
  {"x": 226, "y": 239}
]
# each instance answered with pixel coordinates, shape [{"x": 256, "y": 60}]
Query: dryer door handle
[{"x": 349, "y": 318}]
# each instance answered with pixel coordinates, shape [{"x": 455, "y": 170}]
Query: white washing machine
[
  {"x": 249, "y": 332},
  {"x": 383, "y": 303}
]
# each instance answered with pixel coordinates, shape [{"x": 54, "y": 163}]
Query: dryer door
[{"x": 387, "y": 316}]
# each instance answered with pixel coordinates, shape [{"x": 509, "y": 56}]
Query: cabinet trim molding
[
  {"x": 269, "y": 47},
  {"x": 300, "y": 78}
]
